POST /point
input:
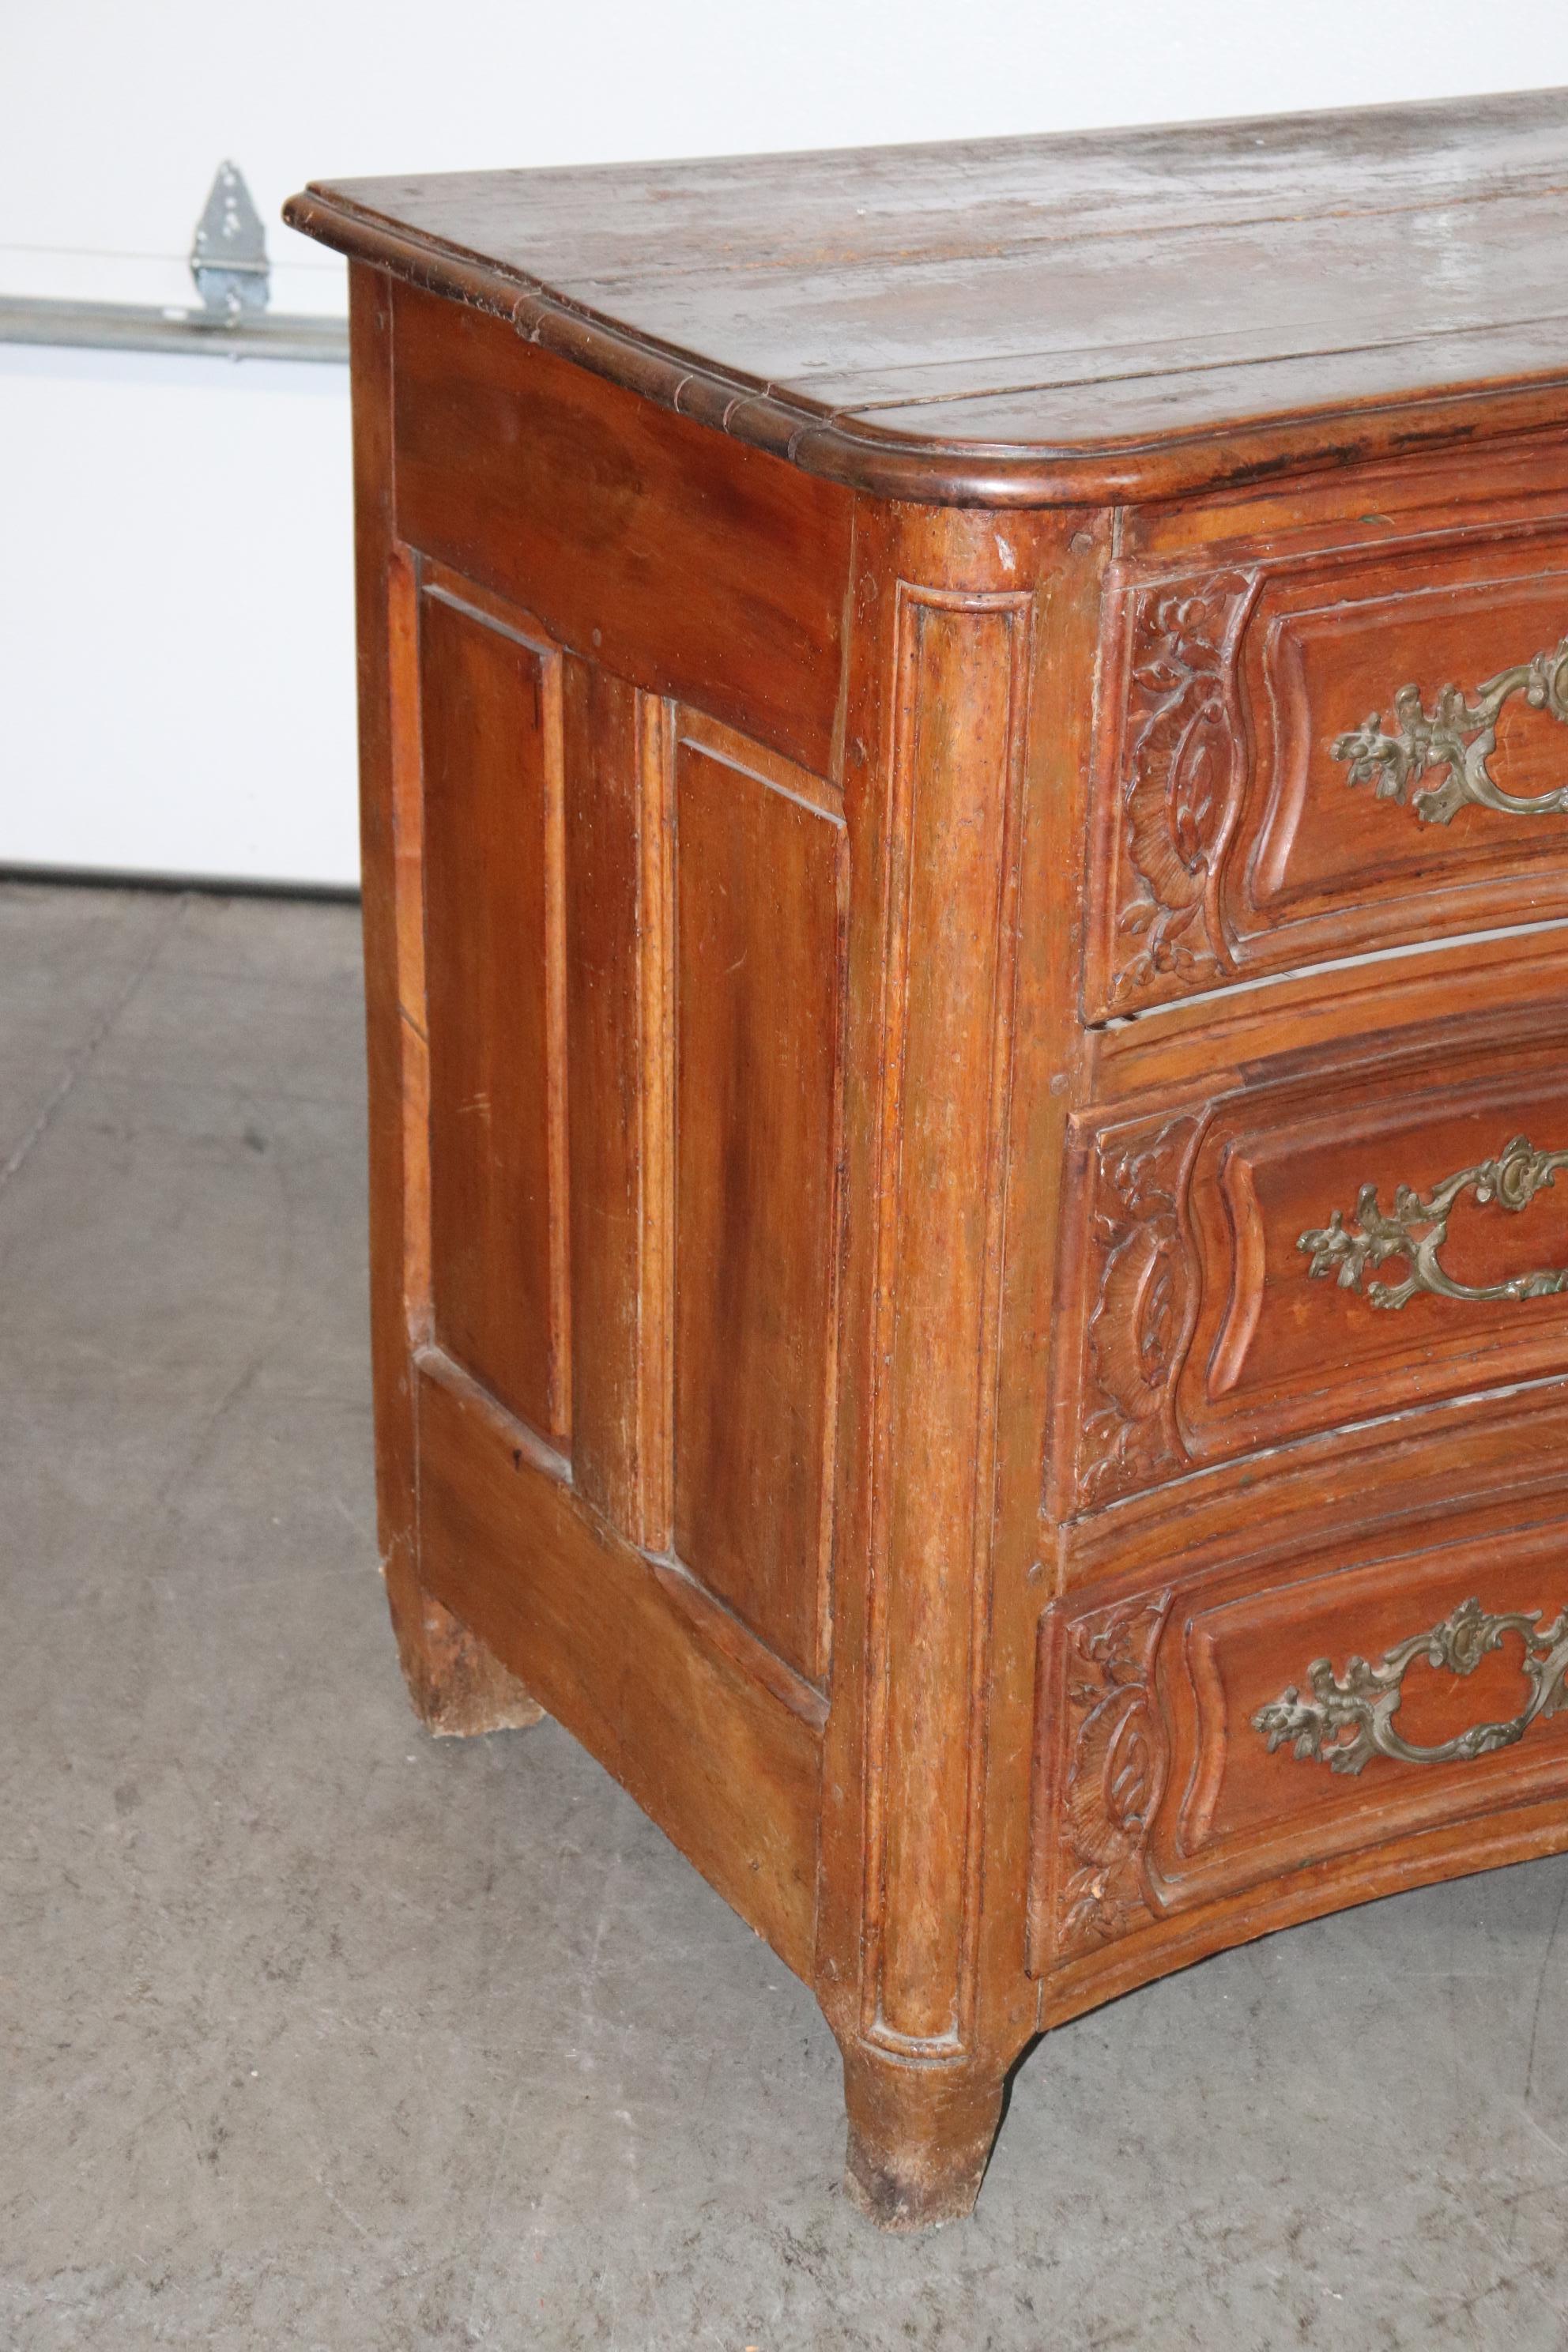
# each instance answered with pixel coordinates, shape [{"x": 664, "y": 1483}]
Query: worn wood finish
[
  {"x": 759, "y": 976},
  {"x": 1111, "y": 314},
  {"x": 599, "y": 502},
  {"x": 721, "y": 1753},
  {"x": 966, "y": 921},
  {"x": 1234, "y": 836},
  {"x": 490, "y": 717},
  {"x": 456, "y": 1685}
]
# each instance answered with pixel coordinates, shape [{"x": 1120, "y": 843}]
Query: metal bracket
[
  {"x": 228, "y": 253},
  {"x": 229, "y": 264}
]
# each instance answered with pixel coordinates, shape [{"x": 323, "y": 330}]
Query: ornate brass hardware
[
  {"x": 1345, "y": 1723},
  {"x": 1417, "y": 1229},
  {"x": 1459, "y": 738}
]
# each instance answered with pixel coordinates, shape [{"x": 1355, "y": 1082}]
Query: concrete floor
[{"x": 320, "y": 2034}]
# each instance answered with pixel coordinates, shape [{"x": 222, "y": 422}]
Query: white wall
[
  {"x": 154, "y": 508},
  {"x": 176, "y": 640}
]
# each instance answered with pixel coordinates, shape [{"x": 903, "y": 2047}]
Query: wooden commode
[{"x": 965, "y": 782}]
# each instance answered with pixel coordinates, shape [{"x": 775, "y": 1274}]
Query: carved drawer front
[
  {"x": 1308, "y": 757},
  {"x": 1313, "y": 1250},
  {"x": 1194, "y": 1744}
]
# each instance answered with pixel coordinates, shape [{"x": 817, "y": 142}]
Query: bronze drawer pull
[
  {"x": 1418, "y": 1228},
  {"x": 1345, "y": 1723},
  {"x": 1459, "y": 736}
]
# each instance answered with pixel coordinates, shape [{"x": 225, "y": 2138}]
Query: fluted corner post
[{"x": 922, "y": 1979}]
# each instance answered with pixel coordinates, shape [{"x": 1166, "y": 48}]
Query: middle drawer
[{"x": 1311, "y": 1244}]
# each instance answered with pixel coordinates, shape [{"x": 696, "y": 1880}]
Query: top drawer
[{"x": 1308, "y": 756}]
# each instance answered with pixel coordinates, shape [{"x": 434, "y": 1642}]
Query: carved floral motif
[
  {"x": 1181, "y": 774},
  {"x": 1138, "y": 1328},
  {"x": 1115, "y": 1772}
]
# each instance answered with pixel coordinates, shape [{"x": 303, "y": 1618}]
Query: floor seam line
[{"x": 48, "y": 1115}]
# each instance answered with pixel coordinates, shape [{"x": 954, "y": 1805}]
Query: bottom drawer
[{"x": 1196, "y": 1743}]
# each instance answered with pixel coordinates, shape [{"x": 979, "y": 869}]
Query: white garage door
[{"x": 175, "y": 658}]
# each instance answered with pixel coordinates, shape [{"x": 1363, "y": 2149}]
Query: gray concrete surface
[{"x": 318, "y": 2034}]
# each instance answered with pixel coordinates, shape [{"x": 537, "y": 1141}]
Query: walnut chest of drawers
[{"x": 965, "y": 782}]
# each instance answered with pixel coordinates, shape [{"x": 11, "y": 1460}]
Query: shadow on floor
[{"x": 319, "y": 2033}]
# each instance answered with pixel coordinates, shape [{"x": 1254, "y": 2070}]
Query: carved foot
[
  {"x": 920, "y": 2137},
  {"x": 458, "y": 1687}
]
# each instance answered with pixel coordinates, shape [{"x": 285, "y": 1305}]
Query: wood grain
[
  {"x": 762, "y": 874},
  {"x": 496, "y": 1009},
  {"x": 857, "y": 657},
  {"x": 658, "y": 1694},
  {"x": 616, "y": 1306},
  {"x": 1024, "y": 321},
  {"x": 584, "y": 503}
]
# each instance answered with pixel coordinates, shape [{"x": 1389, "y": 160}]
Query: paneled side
[
  {"x": 491, "y": 737},
  {"x": 761, "y": 873}
]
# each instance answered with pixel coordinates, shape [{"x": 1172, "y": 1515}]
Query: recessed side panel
[
  {"x": 759, "y": 867},
  {"x": 491, "y": 736},
  {"x": 617, "y": 915}
]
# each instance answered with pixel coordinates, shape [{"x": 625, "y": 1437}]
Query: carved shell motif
[
  {"x": 1139, "y": 1326},
  {"x": 1179, "y": 782},
  {"x": 1115, "y": 1772}
]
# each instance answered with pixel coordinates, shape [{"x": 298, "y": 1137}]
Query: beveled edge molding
[
  {"x": 1457, "y": 738},
  {"x": 1348, "y": 1721},
  {"x": 406, "y": 780},
  {"x": 654, "y": 721},
  {"x": 1180, "y": 769},
  {"x": 1145, "y": 1307},
  {"x": 1115, "y": 1762},
  {"x": 1418, "y": 1227}
]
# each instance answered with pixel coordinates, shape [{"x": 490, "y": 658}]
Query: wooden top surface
[{"x": 1127, "y": 313}]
